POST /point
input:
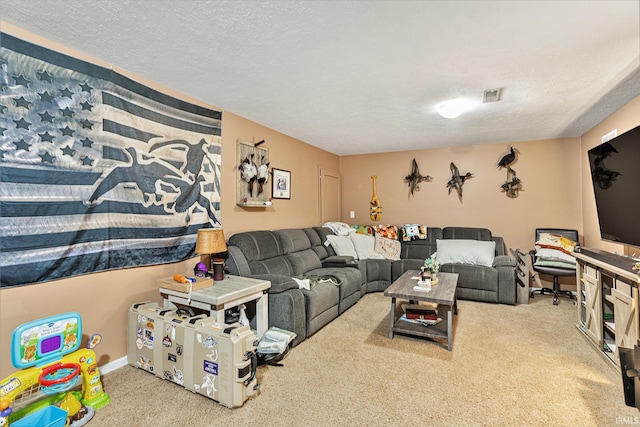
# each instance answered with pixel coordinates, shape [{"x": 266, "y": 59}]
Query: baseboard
[{"x": 114, "y": 365}]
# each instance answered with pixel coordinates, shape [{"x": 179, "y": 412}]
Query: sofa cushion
[
  {"x": 342, "y": 245},
  {"x": 317, "y": 243},
  {"x": 464, "y": 251},
  {"x": 399, "y": 267},
  {"x": 321, "y": 298},
  {"x": 293, "y": 240},
  {"x": 279, "y": 283},
  {"x": 257, "y": 245},
  {"x": 303, "y": 261},
  {"x": 466, "y": 233},
  {"x": 474, "y": 276},
  {"x": 277, "y": 265}
]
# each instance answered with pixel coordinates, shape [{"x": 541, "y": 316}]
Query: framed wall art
[
  {"x": 281, "y": 184},
  {"x": 252, "y": 187}
]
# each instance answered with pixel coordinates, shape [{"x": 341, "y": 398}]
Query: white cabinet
[
  {"x": 625, "y": 304},
  {"x": 608, "y": 301},
  {"x": 591, "y": 302}
]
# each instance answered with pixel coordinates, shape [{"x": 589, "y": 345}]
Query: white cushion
[
  {"x": 463, "y": 251},
  {"x": 389, "y": 248},
  {"x": 554, "y": 255},
  {"x": 339, "y": 228},
  {"x": 364, "y": 245},
  {"x": 342, "y": 245}
]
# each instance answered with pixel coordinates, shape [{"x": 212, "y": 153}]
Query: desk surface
[
  {"x": 617, "y": 264},
  {"x": 224, "y": 291}
]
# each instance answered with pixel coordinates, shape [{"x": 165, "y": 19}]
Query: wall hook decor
[
  {"x": 414, "y": 178},
  {"x": 457, "y": 181}
]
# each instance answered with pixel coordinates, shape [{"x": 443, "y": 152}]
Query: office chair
[{"x": 554, "y": 271}]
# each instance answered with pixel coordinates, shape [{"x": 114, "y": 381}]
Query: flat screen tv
[{"x": 615, "y": 172}]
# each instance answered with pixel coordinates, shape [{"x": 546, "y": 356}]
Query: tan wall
[
  {"x": 624, "y": 119},
  {"x": 103, "y": 299},
  {"x": 551, "y": 197},
  {"x": 549, "y": 170}
]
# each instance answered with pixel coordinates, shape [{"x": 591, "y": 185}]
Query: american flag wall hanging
[{"x": 97, "y": 171}]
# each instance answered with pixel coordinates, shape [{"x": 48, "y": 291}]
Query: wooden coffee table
[{"x": 443, "y": 294}]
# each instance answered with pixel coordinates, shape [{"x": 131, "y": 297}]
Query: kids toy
[{"x": 58, "y": 384}]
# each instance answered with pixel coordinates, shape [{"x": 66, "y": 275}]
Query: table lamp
[{"x": 211, "y": 242}]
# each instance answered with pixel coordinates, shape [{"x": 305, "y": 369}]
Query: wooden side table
[
  {"x": 223, "y": 295},
  {"x": 443, "y": 294}
]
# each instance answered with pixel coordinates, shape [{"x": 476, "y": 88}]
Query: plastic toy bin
[{"x": 51, "y": 416}]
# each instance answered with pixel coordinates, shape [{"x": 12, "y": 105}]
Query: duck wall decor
[
  {"x": 457, "y": 181},
  {"x": 415, "y": 178},
  {"x": 513, "y": 184}
]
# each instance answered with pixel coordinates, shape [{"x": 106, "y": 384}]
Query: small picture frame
[{"x": 281, "y": 184}]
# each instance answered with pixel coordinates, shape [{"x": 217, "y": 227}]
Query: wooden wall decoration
[
  {"x": 513, "y": 184},
  {"x": 252, "y": 163},
  {"x": 375, "y": 210}
]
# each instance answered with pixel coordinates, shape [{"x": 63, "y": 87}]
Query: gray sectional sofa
[{"x": 280, "y": 255}]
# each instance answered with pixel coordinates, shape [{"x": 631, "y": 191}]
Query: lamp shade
[{"x": 210, "y": 241}]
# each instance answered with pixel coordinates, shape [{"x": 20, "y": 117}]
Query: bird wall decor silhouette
[
  {"x": 457, "y": 181},
  {"x": 415, "y": 178},
  {"x": 508, "y": 158}
]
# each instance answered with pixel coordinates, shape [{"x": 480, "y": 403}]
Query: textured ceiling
[{"x": 366, "y": 76}]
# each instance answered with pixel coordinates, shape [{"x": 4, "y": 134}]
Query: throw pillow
[
  {"x": 542, "y": 262},
  {"x": 412, "y": 232},
  {"x": 389, "y": 248},
  {"x": 554, "y": 255},
  {"x": 339, "y": 228},
  {"x": 389, "y": 231},
  {"x": 342, "y": 245},
  {"x": 463, "y": 251},
  {"x": 364, "y": 229},
  {"x": 364, "y": 246}
]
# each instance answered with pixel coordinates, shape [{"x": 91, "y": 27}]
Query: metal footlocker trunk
[{"x": 211, "y": 358}]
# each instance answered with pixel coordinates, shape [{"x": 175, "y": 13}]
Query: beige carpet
[{"x": 524, "y": 365}]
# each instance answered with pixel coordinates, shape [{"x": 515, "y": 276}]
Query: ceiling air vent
[{"x": 491, "y": 95}]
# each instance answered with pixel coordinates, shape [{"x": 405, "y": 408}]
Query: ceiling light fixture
[{"x": 453, "y": 108}]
